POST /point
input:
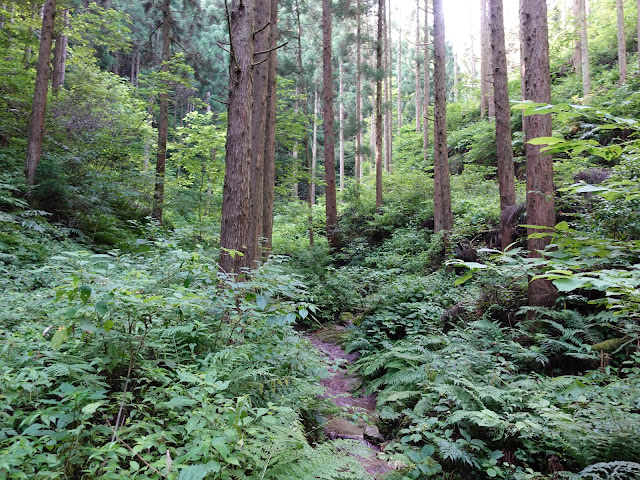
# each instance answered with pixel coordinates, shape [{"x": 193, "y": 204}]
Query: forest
[{"x": 340, "y": 240}]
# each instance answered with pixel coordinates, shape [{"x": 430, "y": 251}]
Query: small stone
[{"x": 373, "y": 435}]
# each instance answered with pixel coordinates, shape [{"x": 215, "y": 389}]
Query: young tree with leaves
[{"x": 443, "y": 217}]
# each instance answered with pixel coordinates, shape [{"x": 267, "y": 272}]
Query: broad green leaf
[
  {"x": 569, "y": 284},
  {"x": 545, "y": 141},
  {"x": 85, "y": 293},
  {"x": 91, "y": 408},
  {"x": 59, "y": 337},
  {"x": 199, "y": 472}
]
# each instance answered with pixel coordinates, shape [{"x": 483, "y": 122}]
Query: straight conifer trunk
[
  {"x": 484, "y": 101},
  {"x": 329, "y": 141},
  {"x": 388, "y": 94},
  {"x": 270, "y": 136},
  {"x": 60, "y": 56},
  {"x": 379, "y": 105},
  {"x": 417, "y": 91},
  {"x": 400, "y": 78},
  {"x": 622, "y": 46},
  {"x": 584, "y": 49},
  {"x": 443, "y": 218},
  {"x": 163, "y": 118},
  {"x": 39, "y": 108},
  {"x": 314, "y": 150},
  {"x": 341, "y": 124},
  {"x": 359, "y": 120},
  {"x": 503, "y": 115},
  {"x": 536, "y": 86},
  {"x": 427, "y": 88},
  {"x": 262, "y": 17},
  {"x": 234, "y": 233}
]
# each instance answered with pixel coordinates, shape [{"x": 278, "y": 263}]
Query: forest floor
[{"x": 357, "y": 416}]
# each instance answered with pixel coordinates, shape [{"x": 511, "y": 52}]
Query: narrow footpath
[{"x": 359, "y": 416}]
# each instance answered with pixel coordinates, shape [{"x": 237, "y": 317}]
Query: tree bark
[
  {"x": 270, "y": 137},
  {"x": 417, "y": 91},
  {"x": 622, "y": 46},
  {"x": 399, "y": 81},
  {"x": 359, "y": 120},
  {"x": 234, "y": 232},
  {"x": 577, "y": 49},
  {"x": 341, "y": 124},
  {"x": 536, "y": 86},
  {"x": 60, "y": 56},
  {"x": 486, "y": 67},
  {"x": 261, "y": 39},
  {"x": 584, "y": 49},
  {"x": 427, "y": 87},
  {"x": 388, "y": 122},
  {"x": 314, "y": 149},
  {"x": 443, "y": 218},
  {"x": 379, "y": 105},
  {"x": 503, "y": 116},
  {"x": 483, "y": 60},
  {"x": 329, "y": 141},
  {"x": 163, "y": 119},
  {"x": 36, "y": 124}
]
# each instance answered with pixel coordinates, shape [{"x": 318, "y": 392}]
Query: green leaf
[
  {"x": 303, "y": 313},
  {"x": 91, "y": 408},
  {"x": 102, "y": 307},
  {"x": 59, "y": 337},
  {"x": 85, "y": 293},
  {"x": 545, "y": 141},
  {"x": 199, "y": 472},
  {"x": 71, "y": 312},
  {"x": 569, "y": 284},
  {"x": 177, "y": 402}
]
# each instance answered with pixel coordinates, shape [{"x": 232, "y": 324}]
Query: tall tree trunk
[
  {"x": 341, "y": 123},
  {"x": 36, "y": 124},
  {"x": 379, "y": 105},
  {"x": 234, "y": 232},
  {"x": 584, "y": 47},
  {"x": 163, "y": 119},
  {"x": 483, "y": 59},
  {"x": 359, "y": 120},
  {"x": 262, "y": 43},
  {"x": 417, "y": 91},
  {"x": 487, "y": 74},
  {"x": 270, "y": 136},
  {"x": 622, "y": 46},
  {"x": 443, "y": 218},
  {"x": 577, "y": 49},
  {"x": 314, "y": 149},
  {"x": 536, "y": 86},
  {"x": 456, "y": 81},
  {"x": 329, "y": 141},
  {"x": 427, "y": 87},
  {"x": 389, "y": 96},
  {"x": 399, "y": 81},
  {"x": 60, "y": 56},
  {"x": 503, "y": 117}
]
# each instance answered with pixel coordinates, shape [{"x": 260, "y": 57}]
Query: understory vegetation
[{"x": 127, "y": 353}]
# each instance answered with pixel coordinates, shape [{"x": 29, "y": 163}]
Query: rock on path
[{"x": 360, "y": 416}]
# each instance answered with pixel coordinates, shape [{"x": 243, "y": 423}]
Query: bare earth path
[{"x": 357, "y": 422}]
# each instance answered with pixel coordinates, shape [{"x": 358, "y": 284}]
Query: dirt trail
[{"x": 359, "y": 412}]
